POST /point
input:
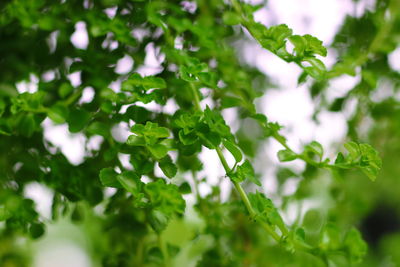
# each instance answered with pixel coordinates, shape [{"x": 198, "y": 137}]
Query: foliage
[{"x": 146, "y": 220}]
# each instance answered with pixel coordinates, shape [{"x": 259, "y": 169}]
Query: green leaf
[
  {"x": 370, "y": 161},
  {"x": 165, "y": 197},
  {"x": 354, "y": 150},
  {"x": 231, "y": 18},
  {"x": 168, "y": 167},
  {"x": 265, "y": 209},
  {"x": 158, "y": 151},
  {"x": 36, "y": 230},
  {"x": 77, "y": 120},
  {"x": 65, "y": 89},
  {"x": 274, "y": 37},
  {"x": 189, "y": 138},
  {"x": 355, "y": 246},
  {"x": 158, "y": 220},
  {"x": 286, "y": 155},
  {"x": 149, "y": 82},
  {"x": 316, "y": 148},
  {"x": 134, "y": 140},
  {"x": 131, "y": 182},
  {"x": 99, "y": 128},
  {"x": 185, "y": 188},
  {"x": 150, "y": 130},
  {"x": 58, "y": 113},
  {"x": 245, "y": 171},
  {"x": 317, "y": 69},
  {"x": 108, "y": 177},
  {"x": 235, "y": 151}
]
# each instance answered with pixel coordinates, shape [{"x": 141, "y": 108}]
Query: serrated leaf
[
  {"x": 165, "y": 197},
  {"x": 356, "y": 247},
  {"x": 243, "y": 172}
]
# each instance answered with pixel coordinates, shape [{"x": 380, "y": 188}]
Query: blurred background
[{"x": 362, "y": 106}]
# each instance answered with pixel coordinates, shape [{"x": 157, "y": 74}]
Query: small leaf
[
  {"x": 286, "y": 155},
  {"x": 58, "y": 113},
  {"x": 168, "y": 167},
  {"x": 108, "y": 177},
  {"x": 36, "y": 230},
  {"x": 355, "y": 246},
  {"x": 131, "y": 182},
  {"x": 245, "y": 171},
  {"x": 77, "y": 120},
  {"x": 158, "y": 151},
  {"x": 353, "y": 148},
  {"x": 235, "y": 151},
  {"x": 134, "y": 140},
  {"x": 158, "y": 220},
  {"x": 316, "y": 148},
  {"x": 231, "y": 18}
]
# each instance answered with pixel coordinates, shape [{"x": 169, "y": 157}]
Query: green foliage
[{"x": 176, "y": 116}]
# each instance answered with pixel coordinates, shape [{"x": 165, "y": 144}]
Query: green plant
[{"x": 198, "y": 65}]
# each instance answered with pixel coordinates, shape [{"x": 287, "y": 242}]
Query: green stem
[
  {"x": 238, "y": 187},
  {"x": 164, "y": 251},
  {"x": 245, "y": 199},
  {"x": 195, "y": 96}
]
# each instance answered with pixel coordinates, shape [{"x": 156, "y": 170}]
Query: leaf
[
  {"x": 134, "y": 140},
  {"x": 316, "y": 148},
  {"x": 158, "y": 151},
  {"x": 231, "y": 18},
  {"x": 245, "y": 171},
  {"x": 354, "y": 150},
  {"x": 286, "y": 155},
  {"x": 165, "y": 197},
  {"x": 274, "y": 37},
  {"x": 36, "y": 230},
  {"x": 77, "y": 120},
  {"x": 58, "y": 113},
  {"x": 149, "y": 82},
  {"x": 27, "y": 125},
  {"x": 370, "y": 161},
  {"x": 235, "y": 151},
  {"x": 131, "y": 182},
  {"x": 265, "y": 209},
  {"x": 168, "y": 167},
  {"x": 355, "y": 246},
  {"x": 151, "y": 130},
  {"x": 65, "y": 89},
  {"x": 188, "y": 139},
  {"x": 108, "y": 177},
  {"x": 158, "y": 220},
  {"x": 99, "y": 128},
  {"x": 317, "y": 69}
]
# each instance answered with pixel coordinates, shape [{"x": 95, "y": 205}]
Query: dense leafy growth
[{"x": 139, "y": 198}]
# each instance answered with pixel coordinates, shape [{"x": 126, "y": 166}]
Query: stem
[
  {"x": 245, "y": 199},
  {"x": 164, "y": 251},
  {"x": 196, "y": 97},
  {"x": 238, "y": 187}
]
